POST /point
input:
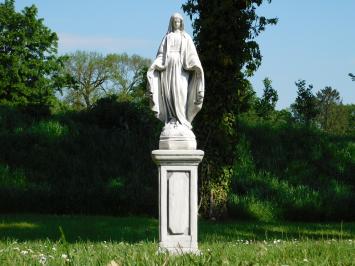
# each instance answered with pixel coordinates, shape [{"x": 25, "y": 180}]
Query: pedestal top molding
[{"x": 177, "y": 156}]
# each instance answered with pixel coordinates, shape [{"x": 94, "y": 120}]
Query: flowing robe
[{"x": 176, "y": 80}]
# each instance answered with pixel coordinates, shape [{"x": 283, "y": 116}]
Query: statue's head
[{"x": 176, "y": 22}]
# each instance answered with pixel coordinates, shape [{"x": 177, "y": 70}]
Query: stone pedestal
[{"x": 178, "y": 199}]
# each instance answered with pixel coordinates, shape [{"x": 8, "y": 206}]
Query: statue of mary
[{"x": 176, "y": 86}]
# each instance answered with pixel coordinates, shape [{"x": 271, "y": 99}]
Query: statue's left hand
[
  {"x": 197, "y": 71},
  {"x": 199, "y": 97}
]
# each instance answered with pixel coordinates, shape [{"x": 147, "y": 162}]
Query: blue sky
[{"x": 314, "y": 39}]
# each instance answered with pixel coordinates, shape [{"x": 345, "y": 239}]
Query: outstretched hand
[
  {"x": 199, "y": 97},
  {"x": 157, "y": 67},
  {"x": 197, "y": 71}
]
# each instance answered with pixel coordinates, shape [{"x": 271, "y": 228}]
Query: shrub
[{"x": 292, "y": 173}]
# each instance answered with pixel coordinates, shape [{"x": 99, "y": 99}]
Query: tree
[
  {"x": 88, "y": 72},
  {"x": 328, "y": 99},
  {"x": 266, "y": 104},
  {"x": 128, "y": 71},
  {"x": 350, "y": 110},
  {"x": 305, "y": 108},
  {"x": 138, "y": 91},
  {"x": 28, "y": 61},
  {"x": 92, "y": 75},
  {"x": 224, "y": 34}
]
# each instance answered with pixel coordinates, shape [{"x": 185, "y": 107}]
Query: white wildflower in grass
[
  {"x": 112, "y": 263},
  {"x": 42, "y": 259},
  {"x": 16, "y": 248},
  {"x": 225, "y": 262},
  {"x": 24, "y": 252},
  {"x": 305, "y": 260},
  {"x": 65, "y": 257}
]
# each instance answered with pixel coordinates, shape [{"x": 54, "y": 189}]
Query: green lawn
[{"x": 96, "y": 240}]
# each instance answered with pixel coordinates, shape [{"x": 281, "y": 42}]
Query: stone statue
[{"x": 176, "y": 86}]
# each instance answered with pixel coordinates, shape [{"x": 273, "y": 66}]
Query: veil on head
[{"x": 175, "y": 15}]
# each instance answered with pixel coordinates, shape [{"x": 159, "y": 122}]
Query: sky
[{"x": 314, "y": 40}]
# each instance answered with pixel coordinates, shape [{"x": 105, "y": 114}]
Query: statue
[{"x": 176, "y": 86}]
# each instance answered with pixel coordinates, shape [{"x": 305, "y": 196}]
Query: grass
[{"x": 96, "y": 240}]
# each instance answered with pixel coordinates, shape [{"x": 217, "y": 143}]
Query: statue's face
[{"x": 177, "y": 24}]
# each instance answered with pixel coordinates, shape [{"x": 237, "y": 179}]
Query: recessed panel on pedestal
[{"x": 178, "y": 202}]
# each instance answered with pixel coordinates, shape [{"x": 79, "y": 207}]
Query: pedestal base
[
  {"x": 179, "y": 251},
  {"x": 178, "y": 199}
]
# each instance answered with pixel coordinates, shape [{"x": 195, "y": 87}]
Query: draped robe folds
[{"x": 176, "y": 81}]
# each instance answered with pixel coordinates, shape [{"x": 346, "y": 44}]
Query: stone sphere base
[{"x": 177, "y": 137}]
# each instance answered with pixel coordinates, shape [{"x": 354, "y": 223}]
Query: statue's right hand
[{"x": 156, "y": 67}]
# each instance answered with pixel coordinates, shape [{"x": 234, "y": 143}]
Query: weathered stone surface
[
  {"x": 177, "y": 137},
  {"x": 176, "y": 91},
  {"x": 178, "y": 199},
  {"x": 176, "y": 86},
  {"x": 178, "y": 202}
]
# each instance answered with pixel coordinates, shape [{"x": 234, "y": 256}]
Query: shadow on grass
[
  {"x": 243, "y": 230},
  {"x": 136, "y": 229}
]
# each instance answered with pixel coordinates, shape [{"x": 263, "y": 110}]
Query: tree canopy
[
  {"x": 28, "y": 60},
  {"x": 328, "y": 101},
  {"x": 90, "y": 75},
  {"x": 266, "y": 104},
  {"x": 305, "y": 108}
]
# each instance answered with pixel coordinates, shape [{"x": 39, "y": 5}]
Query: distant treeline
[
  {"x": 97, "y": 161},
  {"x": 76, "y": 131}
]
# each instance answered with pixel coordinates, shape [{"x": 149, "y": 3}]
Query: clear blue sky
[{"x": 314, "y": 39}]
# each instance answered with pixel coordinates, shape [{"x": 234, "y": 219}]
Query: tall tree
[
  {"x": 350, "y": 110},
  {"x": 328, "y": 99},
  {"x": 305, "y": 108},
  {"x": 224, "y": 33},
  {"x": 28, "y": 60},
  {"x": 266, "y": 104},
  {"x": 88, "y": 72},
  {"x": 92, "y": 75}
]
